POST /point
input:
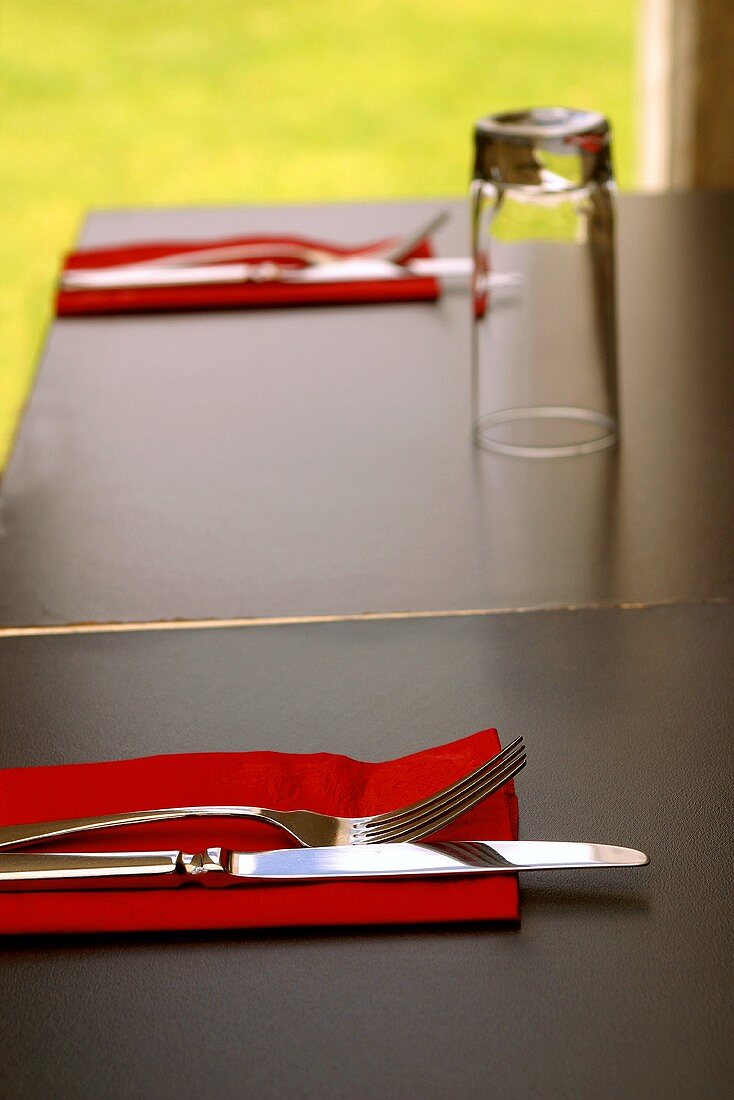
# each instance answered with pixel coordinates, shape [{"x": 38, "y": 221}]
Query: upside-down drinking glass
[{"x": 544, "y": 371}]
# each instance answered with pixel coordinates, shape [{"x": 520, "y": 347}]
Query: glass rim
[{"x": 538, "y": 124}]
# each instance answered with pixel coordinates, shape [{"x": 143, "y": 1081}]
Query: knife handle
[
  {"x": 26, "y": 870},
  {"x": 95, "y": 870}
]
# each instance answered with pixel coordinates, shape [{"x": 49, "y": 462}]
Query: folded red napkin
[
  {"x": 232, "y": 295},
  {"x": 321, "y": 781}
]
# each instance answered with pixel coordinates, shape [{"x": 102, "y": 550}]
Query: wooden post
[{"x": 687, "y": 69}]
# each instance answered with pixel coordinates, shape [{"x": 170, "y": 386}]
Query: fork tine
[
  {"x": 426, "y": 825},
  {"x": 480, "y": 786},
  {"x": 468, "y": 783},
  {"x": 441, "y": 796},
  {"x": 408, "y": 243},
  {"x": 475, "y": 787}
]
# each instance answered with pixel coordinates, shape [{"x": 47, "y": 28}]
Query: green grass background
[{"x": 170, "y": 102}]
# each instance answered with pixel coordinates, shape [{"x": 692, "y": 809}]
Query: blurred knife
[{"x": 342, "y": 271}]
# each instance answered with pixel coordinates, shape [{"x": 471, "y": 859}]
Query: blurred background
[{"x": 176, "y": 102}]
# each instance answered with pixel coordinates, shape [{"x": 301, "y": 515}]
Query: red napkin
[
  {"x": 320, "y": 781},
  {"x": 231, "y": 295}
]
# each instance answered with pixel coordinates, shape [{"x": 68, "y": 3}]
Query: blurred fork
[
  {"x": 311, "y": 829},
  {"x": 393, "y": 250}
]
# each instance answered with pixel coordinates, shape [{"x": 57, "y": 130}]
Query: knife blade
[
  {"x": 309, "y": 864},
  {"x": 340, "y": 271}
]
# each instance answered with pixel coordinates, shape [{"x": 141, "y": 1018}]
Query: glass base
[{"x": 545, "y": 431}]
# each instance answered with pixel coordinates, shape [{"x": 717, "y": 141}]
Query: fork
[
  {"x": 311, "y": 829},
  {"x": 392, "y": 250}
]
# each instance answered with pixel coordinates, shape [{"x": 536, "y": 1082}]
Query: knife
[
  {"x": 308, "y": 864},
  {"x": 341, "y": 271}
]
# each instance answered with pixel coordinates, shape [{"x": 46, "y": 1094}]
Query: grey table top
[
  {"x": 617, "y": 984},
  {"x": 316, "y": 461}
]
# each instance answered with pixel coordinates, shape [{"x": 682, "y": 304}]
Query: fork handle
[{"x": 13, "y": 836}]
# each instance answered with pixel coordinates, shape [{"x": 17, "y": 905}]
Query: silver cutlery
[
  {"x": 306, "y": 826},
  {"x": 339, "y": 271},
  {"x": 303, "y": 864}
]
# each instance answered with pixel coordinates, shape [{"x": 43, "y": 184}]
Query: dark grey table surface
[
  {"x": 317, "y": 461},
  {"x": 617, "y": 985}
]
